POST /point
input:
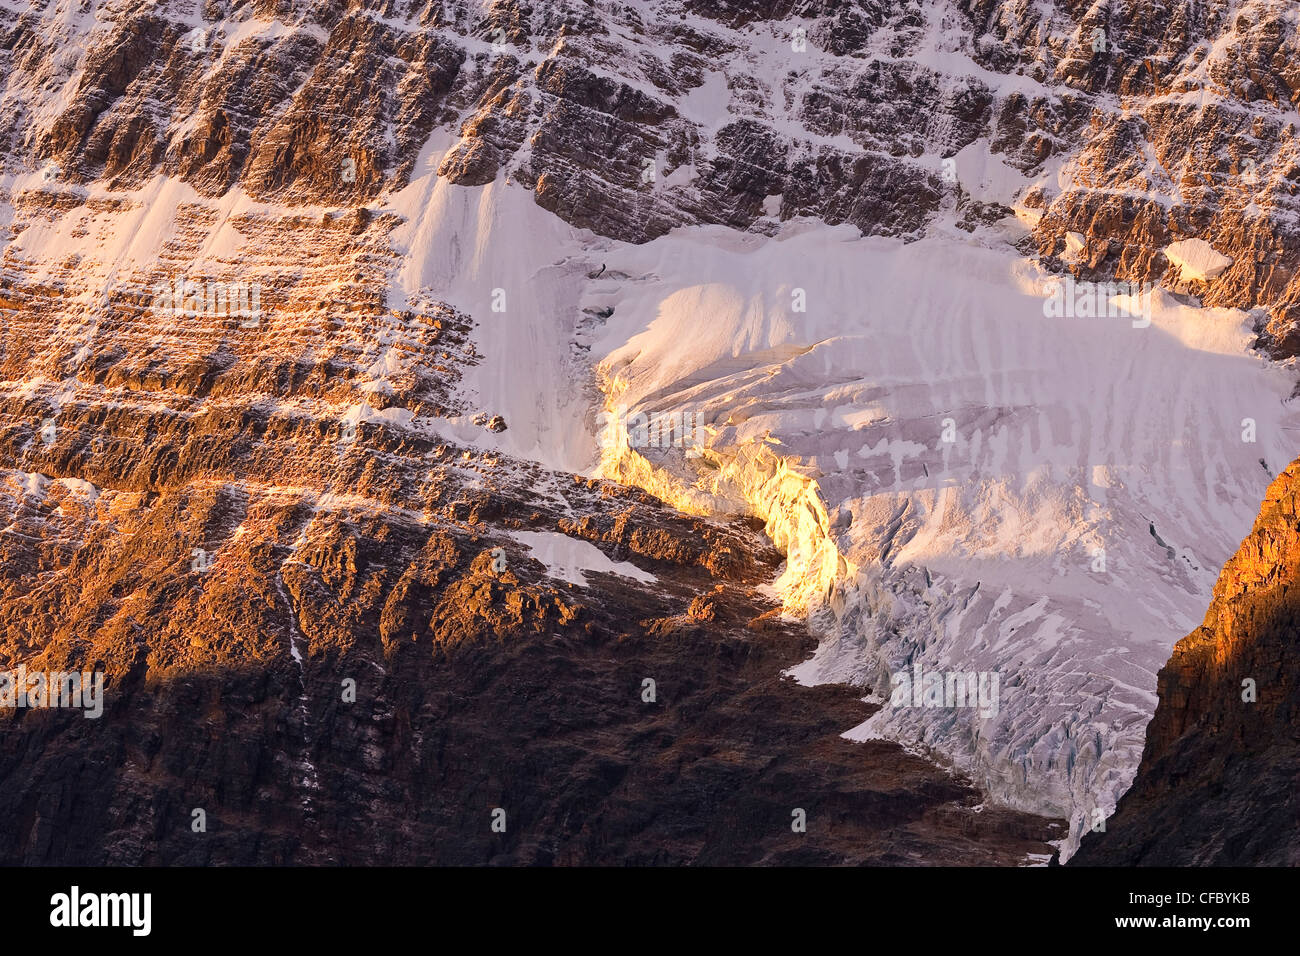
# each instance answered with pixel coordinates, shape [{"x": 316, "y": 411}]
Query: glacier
[{"x": 959, "y": 480}]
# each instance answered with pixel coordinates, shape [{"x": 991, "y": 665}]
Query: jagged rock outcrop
[
  {"x": 1187, "y": 130},
  {"x": 1219, "y": 782}
]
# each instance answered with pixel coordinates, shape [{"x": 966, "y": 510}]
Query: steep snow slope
[{"x": 492, "y": 253}]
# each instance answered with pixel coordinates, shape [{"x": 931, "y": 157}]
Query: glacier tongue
[{"x": 1096, "y": 477}]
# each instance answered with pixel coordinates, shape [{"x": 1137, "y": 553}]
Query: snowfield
[
  {"x": 460, "y": 246},
  {"x": 1197, "y": 259}
]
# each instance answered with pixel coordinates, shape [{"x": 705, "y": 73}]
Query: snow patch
[
  {"x": 567, "y": 558},
  {"x": 1197, "y": 260}
]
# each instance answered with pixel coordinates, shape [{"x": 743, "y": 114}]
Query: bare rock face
[
  {"x": 1136, "y": 124},
  {"x": 1218, "y": 780},
  {"x": 1203, "y": 147}
]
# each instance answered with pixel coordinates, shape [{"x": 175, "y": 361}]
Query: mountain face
[
  {"x": 314, "y": 307},
  {"x": 1217, "y": 782}
]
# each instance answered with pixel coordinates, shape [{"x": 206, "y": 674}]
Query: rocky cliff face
[
  {"x": 1218, "y": 780},
  {"x": 1189, "y": 131}
]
